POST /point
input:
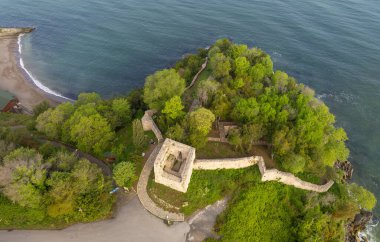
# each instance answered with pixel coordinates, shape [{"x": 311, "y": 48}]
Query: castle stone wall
[
  {"x": 149, "y": 124},
  {"x": 226, "y": 163}
]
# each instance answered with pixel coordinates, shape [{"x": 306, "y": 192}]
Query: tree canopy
[{"x": 161, "y": 87}]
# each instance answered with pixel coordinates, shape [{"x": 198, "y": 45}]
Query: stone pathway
[
  {"x": 198, "y": 73},
  {"x": 202, "y": 223},
  {"x": 142, "y": 193}
]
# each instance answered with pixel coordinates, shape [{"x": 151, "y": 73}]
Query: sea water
[{"x": 111, "y": 46}]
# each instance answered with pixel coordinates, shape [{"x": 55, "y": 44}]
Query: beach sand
[{"x": 12, "y": 78}]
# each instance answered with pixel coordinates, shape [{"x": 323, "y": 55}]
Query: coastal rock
[
  {"x": 15, "y": 31},
  {"x": 347, "y": 169},
  {"x": 358, "y": 224}
]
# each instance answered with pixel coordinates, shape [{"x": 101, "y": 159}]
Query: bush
[{"x": 124, "y": 174}]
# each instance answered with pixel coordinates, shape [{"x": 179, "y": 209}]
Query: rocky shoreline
[{"x": 363, "y": 218}]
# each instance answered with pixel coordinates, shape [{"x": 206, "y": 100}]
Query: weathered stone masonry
[{"x": 173, "y": 165}]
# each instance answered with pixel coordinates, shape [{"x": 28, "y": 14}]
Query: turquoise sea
[{"x": 111, "y": 46}]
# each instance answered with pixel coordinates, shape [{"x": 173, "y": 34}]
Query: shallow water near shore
[{"x": 110, "y": 46}]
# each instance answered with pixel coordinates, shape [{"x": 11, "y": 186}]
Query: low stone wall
[
  {"x": 261, "y": 165},
  {"x": 14, "y": 31},
  {"x": 290, "y": 179},
  {"x": 267, "y": 174},
  {"x": 149, "y": 124},
  {"x": 227, "y": 163}
]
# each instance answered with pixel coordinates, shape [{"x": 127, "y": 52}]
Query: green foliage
[
  {"x": 260, "y": 213},
  {"x": 138, "y": 134},
  {"x": 294, "y": 163},
  {"x": 200, "y": 122},
  {"x": 206, "y": 187},
  {"x": 50, "y": 122},
  {"x": 363, "y": 197},
  {"x": 122, "y": 110},
  {"x": 206, "y": 90},
  {"x": 246, "y": 110},
  {"x": 176, "y": 132},
  {"x": 189, "y": 66},
  {"x": 16, "y": 216},
  {"x": 40, "y": 108},
  {"x": 86, "y": 98},
  {"x": 316, "y": 226},
  {"x": 220, "y": 65},
  {"x": 242, "y": 66},
  {"x": 50, "y": 192},
  {"x": 161, "y": 87},
  {"x": 23, "y": 175},
  {"x": 173, "y": 108},
  {"x": 124, "y": 174},
  {"x": 92, "y": 134}
]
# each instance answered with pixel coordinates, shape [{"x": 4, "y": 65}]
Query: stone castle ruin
[{"x": 173, "y": 165}]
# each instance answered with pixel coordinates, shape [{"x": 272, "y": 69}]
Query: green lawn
[
  {"x": 206, "y": 187},
  {"x": 214, "y": 150}
]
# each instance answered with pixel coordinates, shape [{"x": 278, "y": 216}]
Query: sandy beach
[{"x": 12, "y": 78}]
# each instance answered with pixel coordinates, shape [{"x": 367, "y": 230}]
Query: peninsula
[{"x": 221, "y": 127}]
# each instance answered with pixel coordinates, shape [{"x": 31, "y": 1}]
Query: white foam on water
[{"x": 35, "y": 81}]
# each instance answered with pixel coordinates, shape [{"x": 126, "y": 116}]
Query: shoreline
[
  {"x": 16, "y": 79},
  {"x": 55, "y": 96}
]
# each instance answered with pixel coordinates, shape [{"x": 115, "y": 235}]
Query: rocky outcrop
[
  {"x": 358, "y": 224},
  {"x": 347, "y": 169},
  {"x": 15, "y": 31}
]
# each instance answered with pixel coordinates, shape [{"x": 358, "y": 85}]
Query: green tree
[
  {"x": 246, "y": 110},
  {"x": 294, "y": 163},
  {"x": 206, "y": 90},
  {"x": 161, "y": 87},
  {"x": 251, "y": 133},
  {"x": 317, "y": 227},
  {"x": 173, "y": 108},
  {"x": 258, "y": 72},
  {"x": 124, "y": 174},
  {"x": 220, "y": 65},
  {"x": 86, "y": 98},
  {"x": 138, "y": 134},
  {"x": 242, "y": 66},
  {"x": 221, "y": 105},
  {"x": 23, "y": 176},
  {"x": 122, "y": 110},
  {"x": 40, "y": 108},
  {"x": 61, "y": 194},
  {"x": 50, "y": 122},
  {"x": 362, "y": 196},
  {"x": 92, "y": 134},
  {"x": 234, "y": 137},
  {"x": 176, "y": 132},
  {"x": 200, "y": 122}
]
